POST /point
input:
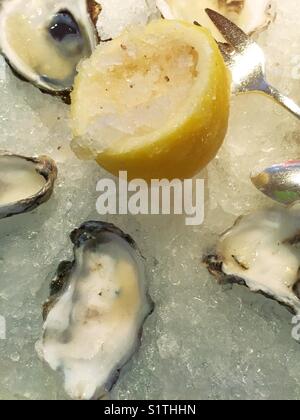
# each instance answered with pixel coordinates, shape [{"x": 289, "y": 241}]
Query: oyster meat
[
  {"x": 94, "y": 317},
  {"x": 262, "y": 252},
  {"x": 44, "y": 40},
  {"x": 25, "y": 183},
  {"x": 252, "y": 16}
]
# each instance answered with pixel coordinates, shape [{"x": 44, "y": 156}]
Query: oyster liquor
[{"x": 152, "y": 409}]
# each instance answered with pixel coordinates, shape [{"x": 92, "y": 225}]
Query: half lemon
[{"x": 153, "y": 102}]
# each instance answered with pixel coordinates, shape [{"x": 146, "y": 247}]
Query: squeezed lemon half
[{"x": 153, "y": 102}]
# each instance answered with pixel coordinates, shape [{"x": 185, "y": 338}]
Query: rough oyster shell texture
[{"x": 94, "y": 317}]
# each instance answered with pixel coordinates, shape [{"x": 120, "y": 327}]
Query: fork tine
[
  {"x": 227, "y": 48},
  {"x": 225, "y": 53},
  {"x": 231, "y": 32}
]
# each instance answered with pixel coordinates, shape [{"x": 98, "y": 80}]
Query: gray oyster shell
[
  {"x": 25, "y": 182},
  {"x": 94, "y": 317}
]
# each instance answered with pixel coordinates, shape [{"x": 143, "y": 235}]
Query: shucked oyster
[
  {"x": 95, "y": 314},
  {"x": 250, "y": 15},
  {"x": 262, "y": 252},
  {"x": 44, "y": 40},
  {"x": 25, "y": 183}
]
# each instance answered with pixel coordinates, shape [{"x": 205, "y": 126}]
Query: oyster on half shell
[
  {"x": 25, "y": 183},
  {"x": 262, "y": 252},
  {"x": 94, "y": 317},
  {"x": 252, "y": 16},
  {"x": 44, "y": 40}
]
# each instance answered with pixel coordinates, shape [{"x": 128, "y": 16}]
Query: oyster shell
[
  {"x": 94, "y": 317},
  {"x": 252, "y": 16},
  {"x": 25, "y": 183},
  {"x": 43, "y": 41},
  {"x": 262, "y": 252}
]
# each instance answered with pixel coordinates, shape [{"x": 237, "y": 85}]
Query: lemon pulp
[{"x": 153, "y": 102}]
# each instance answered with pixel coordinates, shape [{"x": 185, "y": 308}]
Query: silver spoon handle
[{"x": 284, "y": 101}]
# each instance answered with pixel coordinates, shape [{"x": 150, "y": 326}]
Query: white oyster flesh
[
  {"x": 18, "y": 180},
  {"x": 250, "y": 15},
  {"x": 117, "y": 15},
  {"x": 25, "y": 183},
  {"x": 263, "y": 250},
  {"x": 44, "y": 40},
  {"x": 94, "y": 326}
]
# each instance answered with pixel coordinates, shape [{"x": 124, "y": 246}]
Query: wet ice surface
[
  {"x": 117, "y": 15},
  {"x": 203, "y": 340}
]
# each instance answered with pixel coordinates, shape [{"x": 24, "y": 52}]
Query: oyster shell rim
[
  {"x": 87, "y": 231},
  {"x": 78, "y": 236},
  {"x": 44, "y": 166},
  {"x": 93, "y": 9},
  {"x": 214, "y": 262},
  {"x": 214, "y": 265}
]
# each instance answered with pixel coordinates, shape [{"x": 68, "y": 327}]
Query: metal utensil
[
  {"x": 280, "y": 182},
  {"x": 246, "y": 61}
]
